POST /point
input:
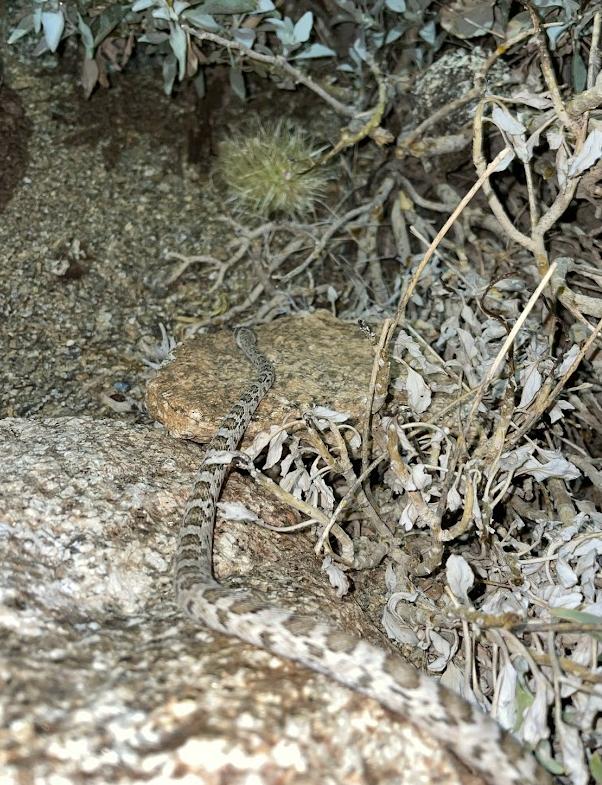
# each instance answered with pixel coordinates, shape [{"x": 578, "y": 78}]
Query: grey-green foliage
[{"x": 163, "y": 27}]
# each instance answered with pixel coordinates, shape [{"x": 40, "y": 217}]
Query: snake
[{"x": 471, "y": 735}]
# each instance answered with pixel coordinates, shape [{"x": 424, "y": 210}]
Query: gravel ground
[{"x": 93, "y": 197}]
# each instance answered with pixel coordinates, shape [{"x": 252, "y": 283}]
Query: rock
[
  {"x": 319, "y": 360},
  {"x": 104, "y": 681},
  {"x": 450, "y": 77}
]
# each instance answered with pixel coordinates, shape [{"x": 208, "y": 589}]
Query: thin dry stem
[
  {"x": 275, "y": 60},
  {"x": 544, "y": 399},
  {"x": 409, "y": 290},
  {"x": 549, "y": 76},
  {"x": 379, "y": 385},
  {"x": 345, "y": 501},
  {"x": 510, "y": 338}
]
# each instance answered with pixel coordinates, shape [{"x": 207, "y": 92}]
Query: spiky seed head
[{"x": 265, "y": 170}]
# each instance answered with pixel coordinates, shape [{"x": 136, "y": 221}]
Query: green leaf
[
  {"x": 548, "y": 762},
  {"x": 24, "y": 27},
  {"x": 170, "y": 69},
  {"x": 554, "y": 32},
  {"x": 580, "y": 617},
  {"x": 179, "y": 45},
  {"x": 302, "y": 28},
  {"x": 199, "y": 83},
  {"x": 570, "y": 6},
  {"x": 237, "y": 83},
  {"x": 89, "y": 76},
  {"x": 204, "y": 21},
  {"x": 37, "y": 19},
  {"x": 142, "y": 5},
  {"x": 428, "y": 33},
  {"x": 87, "y": 38},
  {"x": 227, "y": 7},
  {"x": 108, "y": 21},
  {"x": 315, "y": 50},
  {"x": 244, "y": 36},
  {"x": 53, "y": 24},
  {"x": 524, "y": 699},
  {"x": 153, "y": 38},
  {"x": 595, "y": 766},
  {"x": 579, "y": 72}
]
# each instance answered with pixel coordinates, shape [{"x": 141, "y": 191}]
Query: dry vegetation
[{"x": 466, "y": 237}]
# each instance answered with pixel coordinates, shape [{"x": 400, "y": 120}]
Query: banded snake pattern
[{"x": 477, "y": 740}]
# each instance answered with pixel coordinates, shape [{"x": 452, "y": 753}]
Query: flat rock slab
[
  {"x": 102, "y": 679},
  {"x": 319, "y": 360}
]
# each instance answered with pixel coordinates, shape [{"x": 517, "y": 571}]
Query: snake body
[{"x": 475, "y": 738}]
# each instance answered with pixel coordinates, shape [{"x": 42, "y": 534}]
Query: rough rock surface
[
  {"x": 319, "y": 360},
  {"x": 103, "y": 681}
]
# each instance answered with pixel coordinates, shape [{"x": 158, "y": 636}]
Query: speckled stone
[
  {"x": 319, "y": 360},
  {"x": 103, "y": 681}
]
